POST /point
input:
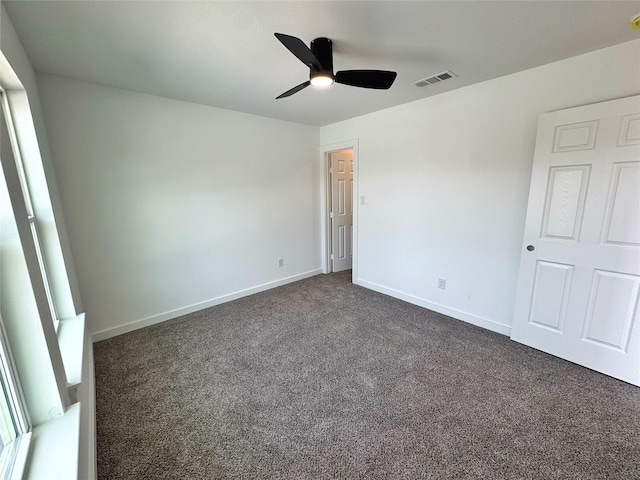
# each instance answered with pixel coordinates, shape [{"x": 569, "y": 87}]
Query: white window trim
[
  {"x": 14, "y": 455},
  {"x": 52, "y": 446},
  {"x": 9, "y": 166},
  {"x": 28, "y": 202},
  {"x": 14, "y": 461}
]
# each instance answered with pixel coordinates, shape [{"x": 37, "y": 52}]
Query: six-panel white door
[
  {"x": 579, "y": 279},
  {"x": 341, "y": 164}
]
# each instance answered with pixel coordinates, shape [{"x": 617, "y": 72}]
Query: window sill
[
  {"x": 71, "y": 342},
  {"x": 54, "y": 448}
]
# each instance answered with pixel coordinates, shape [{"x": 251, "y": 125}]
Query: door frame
[{"x": 325, "y": 204}]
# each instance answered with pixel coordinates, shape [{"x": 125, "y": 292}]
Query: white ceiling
[{"x": 224, "y": 54}]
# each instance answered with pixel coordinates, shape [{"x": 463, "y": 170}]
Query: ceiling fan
[{"x": 319, "y": 59}]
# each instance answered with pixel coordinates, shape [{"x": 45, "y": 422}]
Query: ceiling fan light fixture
[
  {"x": 319, "y": 60},
  {"x": 322, "y": 80}
]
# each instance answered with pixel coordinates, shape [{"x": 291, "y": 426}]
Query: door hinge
[{"x": 330, "y": 214}]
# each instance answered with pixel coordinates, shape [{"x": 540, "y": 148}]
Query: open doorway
[
  {"x": 339, "y": 225},
  {"x": 340, "y": 165}
]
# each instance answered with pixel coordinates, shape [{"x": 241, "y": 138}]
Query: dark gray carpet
[{"x": 324, "y": 379}]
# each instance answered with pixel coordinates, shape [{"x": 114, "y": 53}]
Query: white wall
[
  {"x": 173, "y": 206},
  {"x": 446, "y": 181}
]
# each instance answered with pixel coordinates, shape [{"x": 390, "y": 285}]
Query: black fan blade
[
  {"x": 381, "y": 79},
  {"x": 288, "y": 93},
  {"x": 300, "y": 50}
]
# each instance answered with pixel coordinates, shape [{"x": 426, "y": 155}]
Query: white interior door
[
  {"x": 341, "y": 171},
  {"x": 579, "y": 280}
]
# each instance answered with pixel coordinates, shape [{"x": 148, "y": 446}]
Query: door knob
[{"x": 531, "y": 248}]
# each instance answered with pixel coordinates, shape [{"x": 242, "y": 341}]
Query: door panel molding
[
  {"x": 579, "y": 279},
  {"x": 341, "y": 204}
]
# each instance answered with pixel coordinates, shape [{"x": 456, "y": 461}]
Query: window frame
[
  {"x": 13, "y": 455},
  {"x": 28, "y": 201},
  {"x": 49, "y": 361}
]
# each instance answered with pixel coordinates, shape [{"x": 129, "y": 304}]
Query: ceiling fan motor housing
[{"x": 322, "y": 49}]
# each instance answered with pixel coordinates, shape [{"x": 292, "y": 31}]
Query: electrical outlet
[
  {"x": 442, "y": 283},
  {"x": 281, "y": 262}
]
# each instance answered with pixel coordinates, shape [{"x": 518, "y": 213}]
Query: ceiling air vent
[{"x": 441, "y": 77}]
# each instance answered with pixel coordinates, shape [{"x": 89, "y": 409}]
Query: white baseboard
[
  {"x": 162, "y": 317},
  {"x": 436, "y": 307}
]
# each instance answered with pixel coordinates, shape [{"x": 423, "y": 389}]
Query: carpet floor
[{"x": 323, "y": 379}]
